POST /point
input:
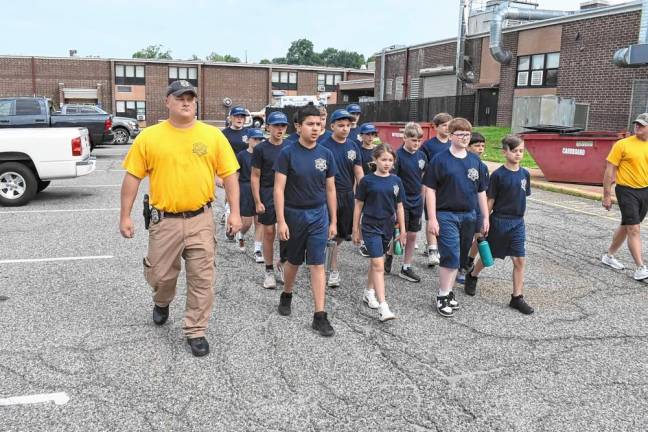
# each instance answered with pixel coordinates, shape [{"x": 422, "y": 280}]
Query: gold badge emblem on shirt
[{"x": 199, "y": 149}]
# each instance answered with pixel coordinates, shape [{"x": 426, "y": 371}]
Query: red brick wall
[
  {"x": 245, "y": 86},
  {"x": 508, "y": 75},
  {"x": 307, "y": 83},
  {"x": 157, "y": 80}
]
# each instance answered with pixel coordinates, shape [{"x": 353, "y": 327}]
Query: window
[
  {"x": 183, "y": 73},
  {"x": 538, "y": 70},
  {"x": 329, "y": 81},
  {"x": 6, "y": 107},
  {"x": 130, "y": 108},
  {"x": 284, "y": 80},
  {"x": 71, "y": 110},
  {"x": 28, "y": 107},
  {"x": 129, "y": 75},
  {"x": 124, "y": 89}
]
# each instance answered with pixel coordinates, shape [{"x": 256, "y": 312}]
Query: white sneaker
[
  {"x": 384, "y": 314},
  {"x": 334, "y": 279},
  {"x": 241, "y": 241},
  {"x": 269, "y": 282},
  {"x": 369, "y": 297},
  {"x": 611, "y": 261},
  {"x": 415, "y": 246},
  {"x": 641, "y": 273},
  {"x": 280, "y": 272},
  {"x": 433, "y": 258},
  {"x": 258, "y": 257}
]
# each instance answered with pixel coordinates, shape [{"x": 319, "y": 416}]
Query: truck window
[
  {"x": 71, "y": 110},
  {"x": 28, "y": 107},
  {"x": 89, "y": 110},
  {"x": 6, "y": 107}
]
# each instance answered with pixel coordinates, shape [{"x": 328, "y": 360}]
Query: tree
[
  {"x": 265, "y": 61},
  {"x": 153, "y": 52},
  {"x": 215, "y": 57},
  {"x": 279, "y": 60},
  {"x": 194, "y": 57},
  {"x": 301, "y": 52}
]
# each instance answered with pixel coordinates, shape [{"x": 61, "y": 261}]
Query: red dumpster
[
  {"x": 392, "y": 132},
  {"x": 572, "y": 157}
]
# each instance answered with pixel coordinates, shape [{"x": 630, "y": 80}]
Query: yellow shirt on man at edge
[
  {"x": 630, "y": 156},
  {"x": 181, "y": 164}
]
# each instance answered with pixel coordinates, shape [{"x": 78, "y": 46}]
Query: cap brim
[
  {"x": 183, "y": 91},
  {"x": 641, "y": 122},
  {"x": 278, "y": 123}
]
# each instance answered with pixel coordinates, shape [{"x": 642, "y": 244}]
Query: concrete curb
[{"x": 573, "y": 191}]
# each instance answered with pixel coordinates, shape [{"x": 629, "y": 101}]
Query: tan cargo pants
[{"x": 192, "y": 239}]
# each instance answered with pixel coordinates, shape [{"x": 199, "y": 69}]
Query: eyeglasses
[{"x": 463, "y": 135}]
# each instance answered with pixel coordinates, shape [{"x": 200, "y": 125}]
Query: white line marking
[
  {"x": 84, "y": 186},
  {"x": 78, "y": 258},
  {"x": 59, "y": 211},
  {"x": 573, "y": 209},
  {"x": 111, "y": 170},
  {"x": 57, "y": 398}
]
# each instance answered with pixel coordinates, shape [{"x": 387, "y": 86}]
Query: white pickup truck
[{"x": 31, "y": 157}]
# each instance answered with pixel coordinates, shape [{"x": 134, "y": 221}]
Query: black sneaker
[
  {"x": 388, "y": 263},
  {"x": 160, "y": 314},
  {"x": 443, "y": 307},
  {"x": 452, "y": 301},
  {"x": 409, "y": 275},
  {"x": 470, "y": 284},
  {"x": 284, "y": 304},
  {"x": 322, "y": 325},
  {"x": 521, "y": 305},
  {"x": 363, "y": 251}
]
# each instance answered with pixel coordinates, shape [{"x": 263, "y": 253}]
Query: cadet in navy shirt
[
  {"x": 453, "y": 180},
  {"x": 354, "y": 133},
  {"x": 248, "y": 210},
  {"x": 263, "y": 160},
  {"x": 349, "y": 172},
  {"x": 306, "y": 212},
  {"x": 432, "y": 147},
  {"x": 410, "y": 167},
  {"x": 368, "y": 134},
  {"x": 236, "y": 135},
  {"x": 509, "y": 187},
  {"x": 379, "y": 196}
]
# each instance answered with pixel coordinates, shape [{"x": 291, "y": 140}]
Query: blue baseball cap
[
  {"x": 341, "y": 114},
  {"x": 255, "y": 133},
  {"x": 238, "y": 110},
  {"x": 277, "y": 118},
  {"x": 368, "y": 128},
  {"x": 354, "y": 109}
]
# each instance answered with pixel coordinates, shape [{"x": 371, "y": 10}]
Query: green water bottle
[
  {"x": 398, "y": 248},
  {"x": 485, "y": 253}
]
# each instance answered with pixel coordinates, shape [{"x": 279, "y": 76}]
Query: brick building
[
  {"x": 133, "y": 87},
  {"x": 568, "y": 56}
]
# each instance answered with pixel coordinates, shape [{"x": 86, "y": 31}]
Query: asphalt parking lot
[{"x": 75, "y": 319}]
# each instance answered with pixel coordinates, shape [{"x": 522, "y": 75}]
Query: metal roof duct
[
  {"x": 635, "y": 55},
  {"x": 505, "y": 11}
]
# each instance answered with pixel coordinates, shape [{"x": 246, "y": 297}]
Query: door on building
[{"x": 487, "y": 115}]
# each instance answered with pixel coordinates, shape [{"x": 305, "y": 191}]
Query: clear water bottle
[{"x": 330, "y": 244}]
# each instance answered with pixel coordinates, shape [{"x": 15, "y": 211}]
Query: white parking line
[
  {"x": 111, "y": 170},
  {"x": 59, "y": 211},
  {"x": 78, "y": 258},
  {"x": 57, "y": 398},
  {"x": 84, "y": 186},
  {"x": 573, "y": 209}
]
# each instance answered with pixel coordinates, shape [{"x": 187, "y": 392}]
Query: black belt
[{"x": 185, "y": 215}]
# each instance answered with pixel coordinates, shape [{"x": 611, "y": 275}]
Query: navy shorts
[
  {"x": 308, "y": 230},
  {"x": 413, "y": 218},
  {"x": 345, "y": 206},
  {"x": 456, "y": 231},
  {"x": 246, "y": 201},
  {"x": 377, "y": 235},
  {"x": 267, "y": 198},
  {"x": 506, "y": 237}
]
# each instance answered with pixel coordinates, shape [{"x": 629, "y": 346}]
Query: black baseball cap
[{"x": 180, "y": 87}]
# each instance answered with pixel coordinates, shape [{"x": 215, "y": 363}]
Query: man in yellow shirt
[
  {"x": 181, "y": 157},
  {"x": 628, "y": 164}
]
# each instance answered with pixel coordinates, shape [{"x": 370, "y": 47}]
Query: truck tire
[
  {"x": 121, "y": 135},
  {"x": 257, "y": 122},
  {"x": 18, "y": 184},
  {"x": 42, "y": 185}
]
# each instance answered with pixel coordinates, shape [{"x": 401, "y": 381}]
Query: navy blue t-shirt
[
  {"x": 380, "y": 195},
  {"x": 327, "y": 134},
  {"x": 306, "y": 171},
  {"x": 483, "y": 173},
  {"x": 264, "y": 157},
  {"x": 456, "y": 181},
  {"x": 244, "y": 159},
  {"x": 347, "y": 156},
  {"x": 237, "y": 138},
  {"x": 433, "y": 147},
  {"x": 291, "y": 139},
  {"x": 509, "y": 189},
  {"x": 410, "y": 167},
  {"x": 354, "y": 135},
  {"x": 366, "y": 156}
]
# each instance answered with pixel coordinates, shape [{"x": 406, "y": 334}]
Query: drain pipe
[
  {"x": 383, "y": 66},
  {"x": 635, "y": 55},
  {"x": 506, "y": 11}
]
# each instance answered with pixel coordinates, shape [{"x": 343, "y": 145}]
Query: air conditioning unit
[
  {"x": 321, "y": 88},
  {"x": 141, "y": 117}
]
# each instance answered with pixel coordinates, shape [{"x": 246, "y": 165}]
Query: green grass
[{"x": 493, "y": 150}]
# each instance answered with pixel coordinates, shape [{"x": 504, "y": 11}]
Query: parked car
[
  {"x": 123, "y": 128},
  {"x": 31, "y": 157},
  {"x": 34, "y": 112}
]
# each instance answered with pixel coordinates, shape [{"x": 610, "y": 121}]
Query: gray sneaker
[
  {"x": 610, "y": 260},
  {"x": 433, "y": 258}
]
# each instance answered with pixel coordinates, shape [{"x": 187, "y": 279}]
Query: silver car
[{"x": 124, "y": 128}]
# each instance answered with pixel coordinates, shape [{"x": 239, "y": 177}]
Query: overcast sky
[{"x": 262, "y": 28}]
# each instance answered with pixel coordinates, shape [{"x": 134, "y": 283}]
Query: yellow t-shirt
[
  {"x": 181, "y": 164},
  {"x": 630, "y": 156}
]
